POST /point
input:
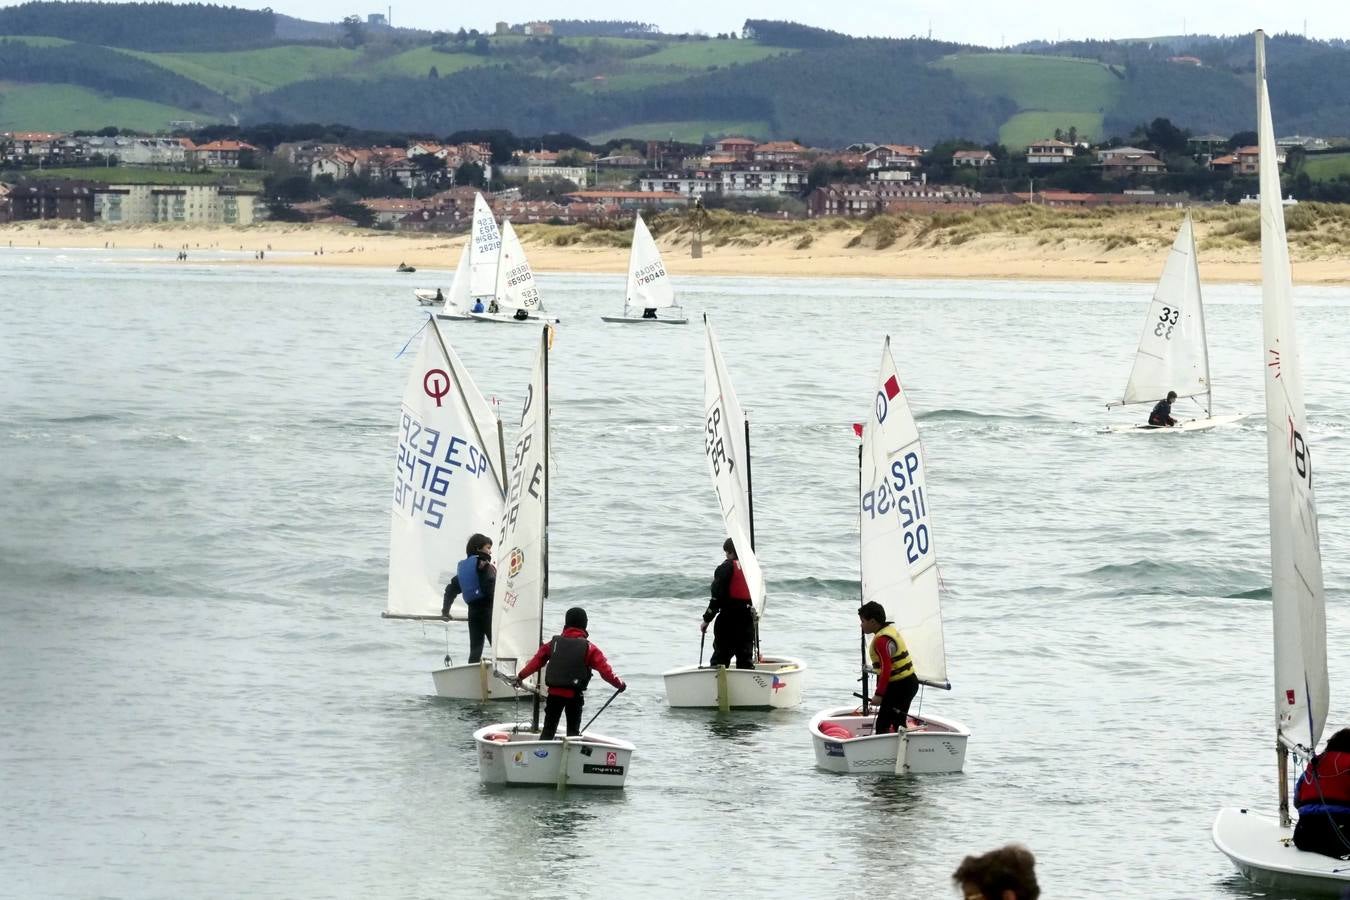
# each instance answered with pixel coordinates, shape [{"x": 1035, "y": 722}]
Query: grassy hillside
[
  {"x": 1327, "y": 166},
  {"x": 688, "y": 132},
  {"x": 702, "y": 54},
  {"x": 238, "y": 74},
  {"x": 66, "y": 107}
]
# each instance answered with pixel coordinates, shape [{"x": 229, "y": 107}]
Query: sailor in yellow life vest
[{"x": 896, "y": 682}]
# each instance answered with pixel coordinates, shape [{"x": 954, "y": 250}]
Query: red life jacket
[
  {"x": 1333, "y": 778},
  {"x": 739, "y": 588}
]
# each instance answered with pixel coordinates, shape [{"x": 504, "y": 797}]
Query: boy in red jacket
[{"x": 570, "y": 657}]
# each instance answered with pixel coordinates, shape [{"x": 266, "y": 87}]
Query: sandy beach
[{"x": 824, "y": 248}]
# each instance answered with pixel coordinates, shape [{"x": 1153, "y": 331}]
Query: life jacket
[
  {"x": 739, "y": 589},
  {"x": 469, "y": 585},
  {"x": 1333, "y": 782},
  {"x": 902, "y": 666},
  {"x": 567, "y": 665}
]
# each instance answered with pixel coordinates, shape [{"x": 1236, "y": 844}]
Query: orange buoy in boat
[
  {"x": 498, "y": 738},
  {"x": 835, "y": 730}
]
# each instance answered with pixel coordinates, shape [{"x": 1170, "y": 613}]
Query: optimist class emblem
[
  {"x": 436, "y": 383},
  {"x": 514, "y": 562},
  {"x": 885, "y": 396}
]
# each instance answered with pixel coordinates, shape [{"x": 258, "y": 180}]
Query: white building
[
  {"x": 144, "y": 204},
  {"x": 1049, "y": 153},
  {"x": 540, "y": 171}
]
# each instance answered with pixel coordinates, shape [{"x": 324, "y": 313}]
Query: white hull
[
  {"x": 450, "y": 314},
  {"x": 638, "y": 320},
  {"x": 933, "y": 745},
  {"x": 511, "y": 319},
  {"x": 473, "y": 681},
  {"x": 428, "y": 298},
  {"x": 775, "y": 683},
  {"x": 1265, "y": 854},
  {"x": 517, "y": 756},
  {"x": 1190, "y": 425}
]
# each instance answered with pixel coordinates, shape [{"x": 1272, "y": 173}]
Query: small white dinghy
[
  {"x": 899, "y": 571},
  {"x": 1260, "y": 846},
  {"x": 427, "y": 297},
  {"x": 515, "y": 287},
  {"x": 448, "y": 484},
  {"x": 649, "y": 284},
  {"x": 1173, "y": 352},
  {"x": 776, "y": 681},
  {"x": 510, "y": 752}
]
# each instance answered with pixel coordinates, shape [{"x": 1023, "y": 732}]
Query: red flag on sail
[
  {"x": 892, "y": 387},
  {"x": 857, "y": 428}
]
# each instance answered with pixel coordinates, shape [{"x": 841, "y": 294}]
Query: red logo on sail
[
  {"x": 1289, "y": 695},
  {"x": 857, "y": 428},
  {"x": 436, "y": 383},
  {"x": 892, "y": 387}
]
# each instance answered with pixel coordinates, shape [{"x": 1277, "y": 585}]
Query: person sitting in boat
[
  {"x": 1161, "y": 417},
  {"x": 440, "y": 298},
  {"x": 475, "y": 578},
  {"x": 571, "y": 657},
  {"x": 478, "y": 305},
  {"x": 493, "y": 307},
  {"x": 1323, "y": 800},
  {"x": 1008, "y": 873},
  {"x": 734, "y": 610},
  {"x": 649, "y": 313},
  {"x": 896, "y": 682},
  {"x": 521, "y": 315}
]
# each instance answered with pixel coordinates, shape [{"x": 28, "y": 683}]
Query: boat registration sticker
[
  {"x": 833, "y": 749},
  {"x": 602, "y": 770}
]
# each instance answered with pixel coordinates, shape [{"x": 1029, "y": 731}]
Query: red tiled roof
[{"x": 225, "y": 146}]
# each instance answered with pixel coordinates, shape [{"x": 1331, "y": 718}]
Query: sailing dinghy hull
[
  {"x": 473, "y": 681},
  {"x": 1182, "y": 427},
  {"x": 512, "y": 320},
  {"x": 1265, "y": 854},
  {"x": 775, "y": 683},
  {"x": 510, "y": 754},
  {"x": 933, "y": 745},
  {"x": 639, "y": 320},
  {"x": 428, "y": 298}
]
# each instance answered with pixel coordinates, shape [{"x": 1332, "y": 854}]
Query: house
[
  {"x": 52, "y": 200},
  {"x": 890, "y": 175},
  {"x": 688, "y": 184},
  {"x": 1248, "y": 160},
  {"x": 535, "y": 157},
  {"x": 391, "y": 211},
  {"x": 142, "y": 204},
  {"x": 1298, "y": 140},
  {"x": 894, "y": 156},
  {"x": 538, "y": 29},
  {"x": 222, "y": 154},
  {"x": 338, "y": 164},
  {"x": 1049, "y": 152},
  {"x": 622, "y": 161},
  {"x": 1223, "y": 163},
  {"x": 1108, "y": 152},
  {"x": 735, "y": 147},
  {"x": 534, "y": 172},
  {"x": 976, "y": 158},
  {"x": 167, "y": 152},
  {"x": 630, "y": 199},
  {"x": 1119, "y": 165},
  {"x": 778, "y": 152},
  {"x": 42, "y": 148},
  {"x": 4, "y": 202},
  {"x": 763, "y": 181}
]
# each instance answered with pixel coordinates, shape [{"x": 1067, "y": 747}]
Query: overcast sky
[{"x": 978, "y": 22}]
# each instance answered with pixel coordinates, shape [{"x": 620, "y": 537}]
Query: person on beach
[
  {"x": 1008, "y": 873},
  {"x": 476, "y": 579},
  {"x": 1322, "y": 796},
  {"x": 570, "y": 657},
  {"x": 1161, "y": 417},
  {"x": 896, "y": 682},
  {"x": 734, "y": 609},
  {"x": 649, "y": 313}
]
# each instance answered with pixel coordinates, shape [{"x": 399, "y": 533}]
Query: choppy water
[{"x": 203, "y": 701}]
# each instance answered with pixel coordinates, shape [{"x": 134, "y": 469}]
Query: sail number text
[
  {"x": 427, "y": 460},
  {"x": 1168, "y": 320},
  {"x": 900, "y": 493},
  {"x": 520, "y": 484},
  {"x": 714, "y": 445}
]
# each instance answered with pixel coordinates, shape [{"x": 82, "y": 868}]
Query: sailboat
[
  {"x": 1262, "y": 846},
  {"x": 898, "y": 560},
  {"x": 476, "y": 274},
  {"x": 514, "y": 287},
  {"x": 774, "y": 681},
  {"x": 511, "y": 752},
  {"x": 649, "y": 284},
  {"x": 448, "y": 484},
  {"x": 1173, "y": 352}
]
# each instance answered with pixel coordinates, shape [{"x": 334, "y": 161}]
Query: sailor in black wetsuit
[
  {"x": 733, "y": 608},
  {"x": 476, "y": 579},
  {"x": 1161, "y": 417}
]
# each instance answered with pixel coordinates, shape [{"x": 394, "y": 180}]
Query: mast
[
  {"x": 862, "y": 635},
  {"x": 750, "y": 509},
  {"x": 534, "y": 716},
  {"x": 1194, "y": 271}
]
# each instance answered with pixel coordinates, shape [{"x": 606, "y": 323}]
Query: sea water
[{"x": 202, "y": 699}]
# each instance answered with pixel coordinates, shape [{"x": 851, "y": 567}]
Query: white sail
[
  {"x": 1301, "y": 686},
  {"x": 899, "y": 562},
  {"x": 447, "y": 477},
  {"x": 724, "y": 443},
  {"x": 486, "y": 242},
  {"x": 522, "y": 563},
  {"x": 461, "y": 298},
  {"x": 1173, "y": 355},
  {"x": 649, "y": 285},
  {"x": 515, "y": 279}
]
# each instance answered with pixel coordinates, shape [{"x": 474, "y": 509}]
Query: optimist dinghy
[
  {"x": 511, "y": 753},
  {"x": 899, "y": 571},
  {"x": 515, "y": 287},
  {"x": 1262, "y": 846},
  {"x": 447, "y": 486},
  {"x": 649, "y": 284},
  {"x": 1173, "y": 351},
  {"x": 775, "y": 681}
]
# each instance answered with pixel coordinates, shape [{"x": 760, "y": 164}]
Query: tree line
[{"x": 143, "y": 26}]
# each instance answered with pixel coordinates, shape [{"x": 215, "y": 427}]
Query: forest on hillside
[{"x": 143, "y": 26}]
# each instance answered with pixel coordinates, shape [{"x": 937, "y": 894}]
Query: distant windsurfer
[
  {"x": 896, "y": 682},
  {"x": 1161, "y": 417},
  {"x": 476, "y": 579},
  {"x": 734, "y": 609}
]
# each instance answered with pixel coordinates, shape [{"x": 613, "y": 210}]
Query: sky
[{"x": 987, "y": 22}]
